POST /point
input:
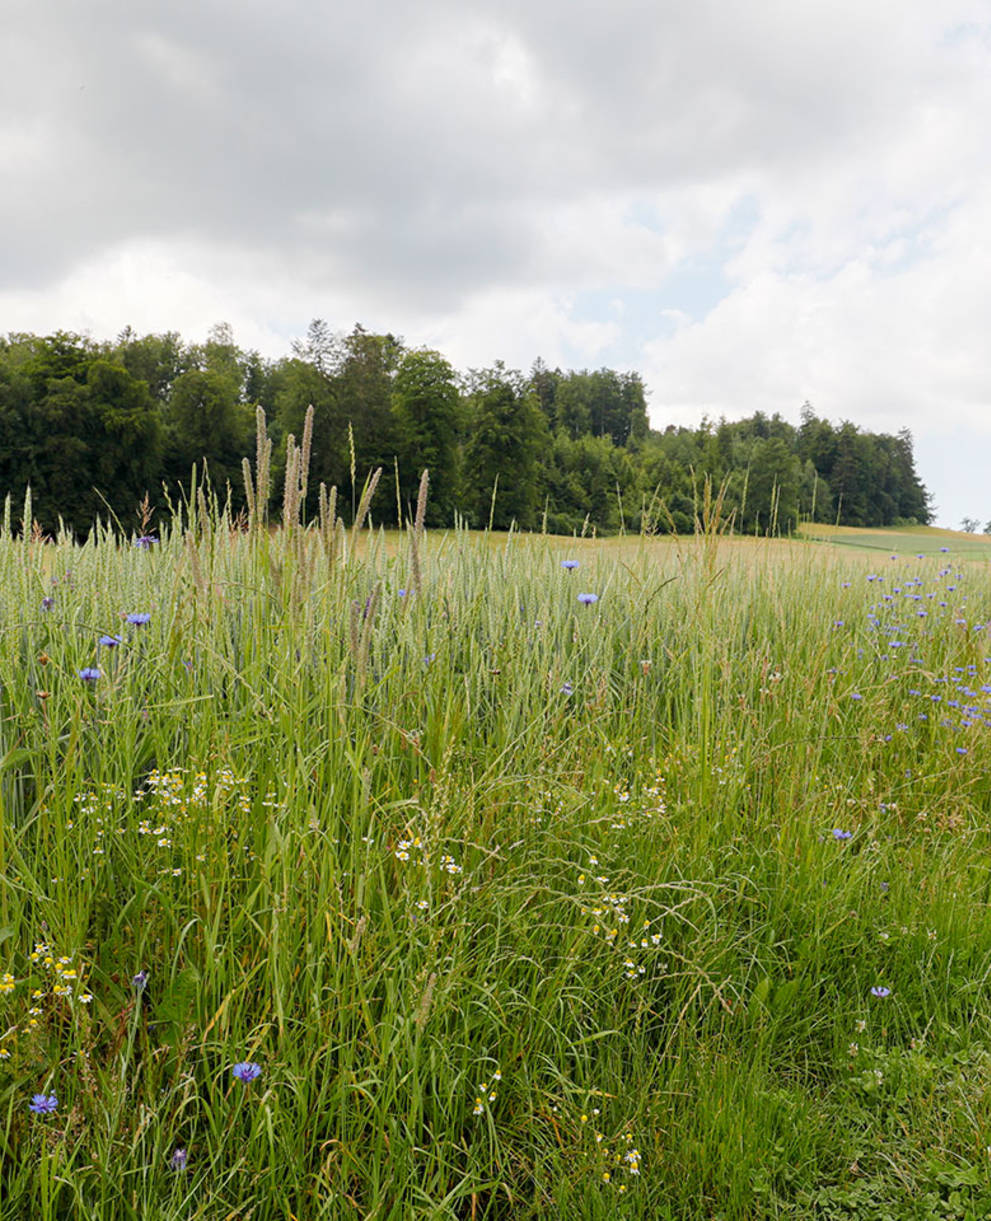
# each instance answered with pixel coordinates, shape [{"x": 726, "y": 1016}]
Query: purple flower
[
  {"x": 567, "y": 689},
  {"x": 43, "y": 1104},
  {"x": 47, "y": 603},
  {"x": 569, "y": 565},
  {"x": 588, "y": 599},
  {"x": 89, "y": 674},
  {"x": 178, "y": 1160},
  {"x": 140, "y": 980},
  {"x": 855, "y": 695},
  {"x": 145, "y": 542},
  {"x": 138, "y": 618},
  {"x": 246, "y": 1071},
  {"x": 880, "y": 991},
  {"x": 109, "y": 642},
  {"x": 839, "y": 833}
]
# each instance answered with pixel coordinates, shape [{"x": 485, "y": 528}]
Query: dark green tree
[
  {"x": 428, "y": 428},
  {"x": 208, "y": 426},
  {"x": 508, "y": 433}
]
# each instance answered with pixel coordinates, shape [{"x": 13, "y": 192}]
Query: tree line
[{"x": 93, "y": 428}]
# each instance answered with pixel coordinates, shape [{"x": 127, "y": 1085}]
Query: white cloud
[{"x": 484, "y": 178}]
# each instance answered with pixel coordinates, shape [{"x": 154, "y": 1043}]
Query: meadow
[{"x": 345, "y": 875}]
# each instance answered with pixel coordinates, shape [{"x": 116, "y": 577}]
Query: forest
[{"x": 95, "y": 429}]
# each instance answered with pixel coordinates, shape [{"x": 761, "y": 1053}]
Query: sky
[{"x": 753, "y": 206}]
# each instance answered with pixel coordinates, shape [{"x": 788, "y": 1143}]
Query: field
[{"x": 463, "y": 876}]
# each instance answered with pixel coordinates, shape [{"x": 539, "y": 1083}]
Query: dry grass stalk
[
  {"x": 417, "y": 535},
  {"x": 304, "y": 462},
  {"x": 365, "y": 503},
  {"x": 263, "y": 460},
  {"x": 426, "y": 1000},
  {"x": 249, "y": 491}
]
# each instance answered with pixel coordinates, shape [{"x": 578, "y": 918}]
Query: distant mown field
[{"x": 346, "y": 874}]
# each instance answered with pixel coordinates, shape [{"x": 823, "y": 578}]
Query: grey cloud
[{"x": 419, "y": 148}]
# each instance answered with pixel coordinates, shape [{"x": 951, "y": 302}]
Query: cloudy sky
[{"x": 753, "y": 205}]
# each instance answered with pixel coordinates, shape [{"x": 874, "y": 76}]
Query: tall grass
[{"x": 524, "y": 906}]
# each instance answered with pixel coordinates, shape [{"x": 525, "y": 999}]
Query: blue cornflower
[
  {"x": 43, "y": 1104},
  {"x": 944, "y": 548},
  {"x": 178, "y": 1160},
  {"x": 138, "y": 618},
  {"x": 401, "y": 593},
  {"x": 880, "y": 991},
  {"x": 138, "y": 981},
  {"x": 839, "y": 833},
  {"x": 145, "y": 541},
  {"x": 109, "y": 642},
  {"x": 569, "y": 564},
  {"x": 567, "y": 689},
  {"x": 89, "y": 674},
  {"x": 855, "y": 695},
  {"x": 246, "y": 1071},
  {"x": 47, "y": 603},
  {"x": 588, "y": 599}
]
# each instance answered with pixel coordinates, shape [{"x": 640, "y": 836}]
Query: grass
[
  {"x": 524, "y": 907},
  {"x": 908, "y": 540}
]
